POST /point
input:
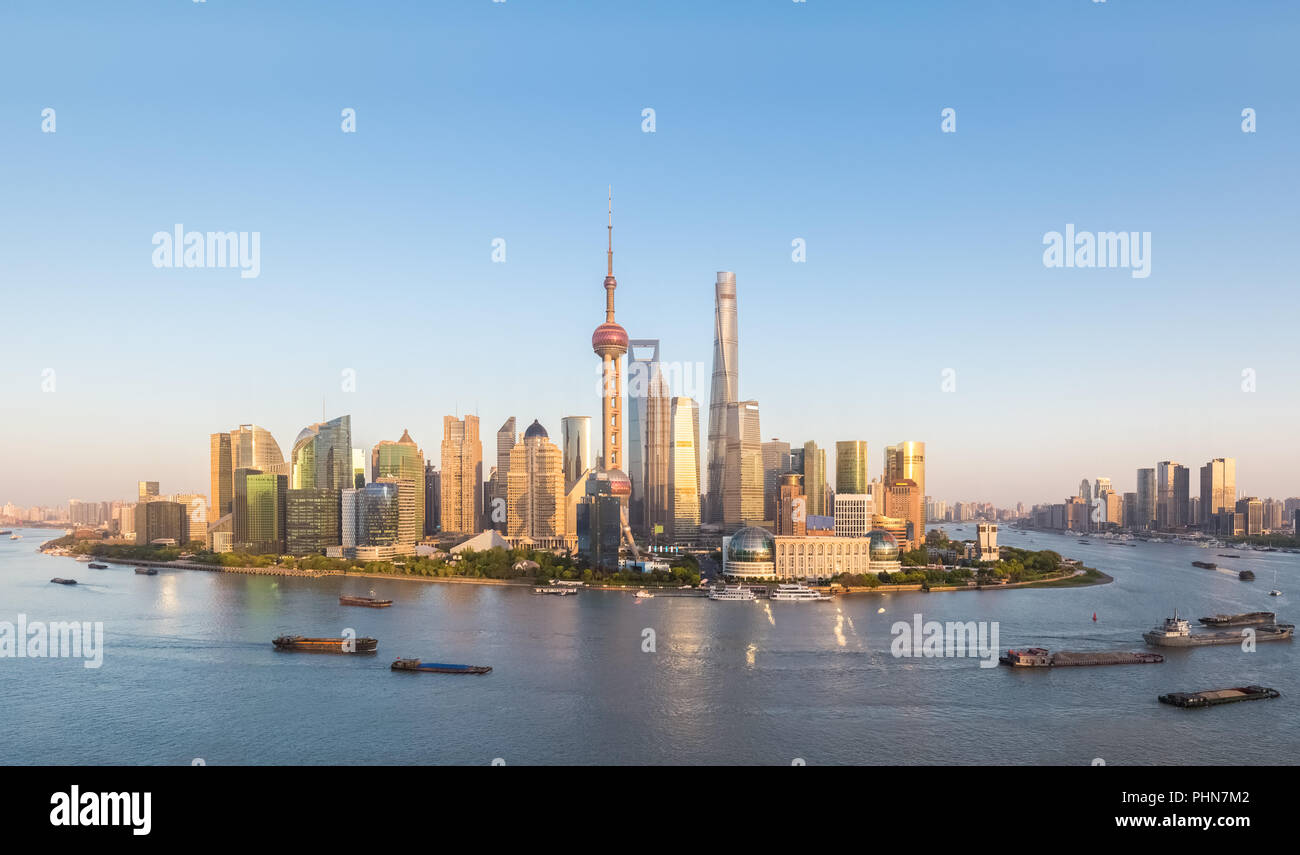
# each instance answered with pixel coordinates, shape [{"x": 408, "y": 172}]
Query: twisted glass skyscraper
[{"x": 726, "y": 387}]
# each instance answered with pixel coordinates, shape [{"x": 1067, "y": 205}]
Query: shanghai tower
[{"x": 726, "y": 386}]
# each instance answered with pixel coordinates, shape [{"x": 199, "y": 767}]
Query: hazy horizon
[{"x": 816, "y": 121}]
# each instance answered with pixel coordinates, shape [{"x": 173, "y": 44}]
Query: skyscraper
[
  {"x": 148, "y": 490},
  {"x": 814, "y": 478},
  {"x": 322, "y": 456},
  {"x": 742, "y": 482},
  {"x": 851, "y": 466},
  {"x": 725, "y": 388},
  {"x": 222, "y": 469},
  {"x": 575, "y": 436},
  {"x": 403, "y": 461},
  {"x": 311, "y": 520},
  {"x": 261, "y": 503},
  {"x": 462, "y": 474},
  {"x": 905, "y": 460},
  {"x": 1146, "y": 500},
  {"x": 1218, "y": 487},
  {"x": 253, "y": 447},
  {"x": 535, "y": 492},
  {"x": 1173, "y": 492},
  {"x": 649, "y": 416},
  {"x": 903, "y": 500},
  {"x": 684, "y": 469},
  {"x": 432, "y": 498},
  {"x": 506, "y": 438},
  {"x": 776, "y": 462},
  {"x": 371, "y": 515}
]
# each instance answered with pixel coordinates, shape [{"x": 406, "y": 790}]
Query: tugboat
[
  {"x": 370, "y": 602},
  {"x": 1247, "y": 619},
  {"x": 1214, "y": 697},
  {"x": 1176, "y": 632},
  {"x": 56, "y": 580},
  {"x": 438, "y": 667},
  {"x": 145, "y": 571},
  {"x": 326, "y": 645}
]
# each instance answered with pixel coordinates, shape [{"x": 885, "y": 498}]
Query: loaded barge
[
  {"x": 1247, "y": 619},
  {"x": 145, "y": 571},
  {"x": 370, "y": 602},
  {"x": 326, "y": 645},
  {"x": 1176, "y": 632},
  {"x": 1039, "y": 657},
  {"x": 1214, "y": 697},
  {"x": 439, "y": 667},
  {"x": 1208, "y": 565}
]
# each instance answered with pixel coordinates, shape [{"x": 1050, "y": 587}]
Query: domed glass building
[
  {"x": 749, "y": 554},
  {"x": 884, "y": 551}
]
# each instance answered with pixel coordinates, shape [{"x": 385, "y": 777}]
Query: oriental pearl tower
[{"x": 609, "y": 341}]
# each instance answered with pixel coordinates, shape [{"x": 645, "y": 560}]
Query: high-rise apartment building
[
  {"x": 1172, "y": 495},
  {"x": 507, "y": 436},
  {"x": 725, "y": 388},
  {"x": 462, "y": 474},
  {"x": 851, "y": 467}
]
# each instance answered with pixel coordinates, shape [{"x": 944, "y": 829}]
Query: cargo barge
[
  {"x": 1208, "y": 565},
  {"x": 1246, "y": 576},
  {"x": 326, "y": 645},
  {"x": 56, "y": 580},
  {"x": 145, "y": 571},
  {"x": 1214, "y": 697},
  {"x": 438, "y": 667},
  {"x": 369, "y": 602},
  {"x": 1176, "y": 632},
  {"x": 1039, "y": 657},
  {"x": 1247, "y": 619},
  {"x": 93, "y": 566},
  {"x": 556, "y": 591}
]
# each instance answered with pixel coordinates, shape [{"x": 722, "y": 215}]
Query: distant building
[
  {"x": 1218, "y": 487},
  {"x": 853, "y": 513},
  {"x": 575, "y": 441},
  {"x": 684, "y": 470},
  {"x": 742, "y": 491},
  {"x": 535, "y": 494},
  {"x": 776, "y": 462},
  {"x": 987, "y": 541},
  {"x": 432, "y": 499},
  {"x": 159, "y": 520},
  {"x": 148, "y": 490},
  {"x": 791, "y": 506},
  {"x": 403, "y": 462},
  {"x": 312, "y": 520},
  {"x": 261, "y": 505},
  {"x": 814, "y": 478},
  {"x": 851, "y": 467}
]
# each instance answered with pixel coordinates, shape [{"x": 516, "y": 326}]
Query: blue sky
[{"x": 774, "y": 121}]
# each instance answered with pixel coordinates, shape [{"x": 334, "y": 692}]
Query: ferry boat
[
  {"x": 1214, "y": 697},
  {"x": 1177, "y": 632},
  {"x": 56, "y": 580},
  {"x": 326, "y": 645},
  {"x": 93, "y": 566},
  {"x": 798, "y": 594},
  {"x": 731, "y": 592},
  {"x": 370, "y": 602},
  {"x": 438, "y": 667},
  {"x": 144, "y": 571},
  {"x": 1247, "y": 619},
  {"x": 556, "y": 591}
]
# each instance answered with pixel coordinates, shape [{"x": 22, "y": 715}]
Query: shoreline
[{"x": 697, "y": 593}]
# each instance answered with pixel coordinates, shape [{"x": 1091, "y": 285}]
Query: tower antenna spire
[{"x": 610, "y": 253}]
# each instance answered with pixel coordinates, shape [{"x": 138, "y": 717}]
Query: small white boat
[
  {"x": 15, "y": 537},
  {"x": 798, "y": 594},
  {"x": 84, "y": 559},
  {"x": 1275, "y": 593},
  {"x": 643, "y": 594}
]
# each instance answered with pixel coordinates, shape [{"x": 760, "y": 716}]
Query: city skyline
[{"x": 893, "y": 212}]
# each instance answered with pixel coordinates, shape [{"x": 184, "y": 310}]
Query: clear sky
[{"x": 774, "y": 120}]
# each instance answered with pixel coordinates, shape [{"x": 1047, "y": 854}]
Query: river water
[{"x": 189, "y": 673}]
